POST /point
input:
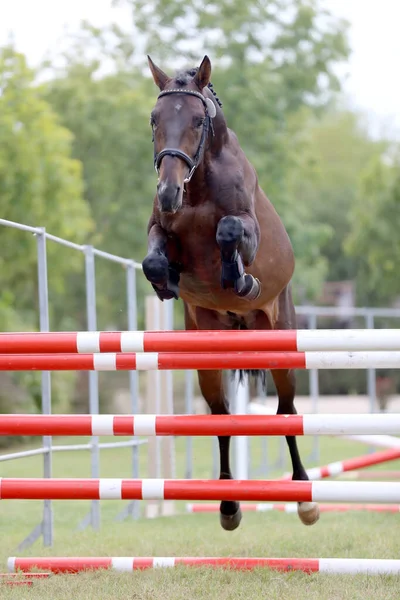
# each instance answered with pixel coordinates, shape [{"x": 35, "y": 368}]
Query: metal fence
[
  {"x": 45, "y": 528},
  {"x": 244, "y": 465}
]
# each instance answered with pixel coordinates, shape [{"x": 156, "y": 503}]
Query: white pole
[{"x": 241, "y": 441}]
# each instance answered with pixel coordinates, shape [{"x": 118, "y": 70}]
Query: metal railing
[{"x": 45, "y": 528}]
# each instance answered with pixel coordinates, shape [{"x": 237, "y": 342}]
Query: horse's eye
[{"x": 198, "y": 121}]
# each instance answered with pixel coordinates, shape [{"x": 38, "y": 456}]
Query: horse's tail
[{"x": 256, "y": 374}]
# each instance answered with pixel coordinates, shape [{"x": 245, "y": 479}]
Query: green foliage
[
  {"x": 296, "y": 41},
  {"x": 373, "y": 238},
  {"x": 324, "y": 182},
  {"x": 39, "y": 184}
]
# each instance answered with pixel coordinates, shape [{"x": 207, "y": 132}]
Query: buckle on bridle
[{"x": 189, "y": 177}]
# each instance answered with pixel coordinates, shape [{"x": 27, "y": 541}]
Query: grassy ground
[{"x": 260, "y": 534}]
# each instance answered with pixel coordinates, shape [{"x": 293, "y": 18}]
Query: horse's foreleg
[
  {"x": 238, "y": 238},
  {"x": 157, "y": 269}
]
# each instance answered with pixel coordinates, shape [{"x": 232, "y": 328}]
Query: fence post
[
  {"x": 153, "y": 406},
  {"x": 93, "y": 518},
  {"x": 189, "y": 410},
  {"x": 133, "y": 508},
  {"x": 313, "y": 377}
]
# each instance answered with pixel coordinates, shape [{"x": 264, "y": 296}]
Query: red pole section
[
  {"x": 151, "y": 361},
  {"x": 59, "y": 564}
]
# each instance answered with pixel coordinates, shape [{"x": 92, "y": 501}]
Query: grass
[{"x": 356, "y": 535}]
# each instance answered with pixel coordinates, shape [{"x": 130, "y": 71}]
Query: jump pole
[
  {"x": 200, "y": 341},
  {"x": 336, "y": 468},
  {"x": 153, "y": 361},
  {"x": 206, "y": 425},
  {"x": 198, "y": 489},
  {"x": 307, "y": 565}
]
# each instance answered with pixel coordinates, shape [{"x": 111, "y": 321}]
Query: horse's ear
[
  {"x": 203, "y": 75},
  {"x": 160, "y": 78}
]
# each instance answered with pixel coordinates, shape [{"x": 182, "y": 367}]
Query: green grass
[{"x": 365, "y": 535}]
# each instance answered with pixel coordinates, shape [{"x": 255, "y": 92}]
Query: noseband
[{"x": 192, "y": 163}]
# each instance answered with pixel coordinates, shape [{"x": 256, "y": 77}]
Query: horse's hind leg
[
  {"x": 285, "y": 383},
  {"x": 212, "y": 387}
]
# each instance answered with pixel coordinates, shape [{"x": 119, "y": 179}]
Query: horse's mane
[{"x": 185, "y": 77}]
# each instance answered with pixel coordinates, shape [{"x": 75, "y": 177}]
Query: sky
[{"x": 371, "y": 77}]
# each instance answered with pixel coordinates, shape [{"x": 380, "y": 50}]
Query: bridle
[{"x": 192, "y": 163}]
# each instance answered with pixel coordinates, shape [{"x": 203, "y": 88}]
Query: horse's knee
[
  {"x": 230, "y": 232},
  {"x": 155, "y": 268}
]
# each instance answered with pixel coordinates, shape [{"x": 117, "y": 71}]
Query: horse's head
[{"x": 181, "y": 121}]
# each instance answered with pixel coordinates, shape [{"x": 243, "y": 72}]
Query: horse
[{"x": 217, "y": 242}]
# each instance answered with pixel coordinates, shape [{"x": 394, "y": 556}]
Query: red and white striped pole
[
  {"x": 350, "y": 464},
  {"x": 153, "y": 361},
  {"x": 200, "y": 341},
  {"x": 307, "y": 565},
  {"x": 198, "y": 489},
  {"x": 204, "y": 425}
]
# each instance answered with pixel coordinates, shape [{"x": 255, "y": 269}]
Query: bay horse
[{"x": 215, "y": 240}]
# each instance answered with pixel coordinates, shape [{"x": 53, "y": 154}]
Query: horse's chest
[{"x": 192, "y": 240}]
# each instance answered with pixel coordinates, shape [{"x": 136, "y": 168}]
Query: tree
[
  {"x": 297, "y": 41},
  {"x": 39, "y": 184},
  {"x": 373, "y": 237},
  {"x": 326, "y": 178}
]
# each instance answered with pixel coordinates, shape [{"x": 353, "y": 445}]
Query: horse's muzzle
[{"x": 169, "y": 197}]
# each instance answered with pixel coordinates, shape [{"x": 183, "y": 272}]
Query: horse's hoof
[
  {"x": 308, "y": 512},
  {"x": 230, "y": 522}
]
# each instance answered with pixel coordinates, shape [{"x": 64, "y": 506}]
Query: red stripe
[
  {"x": 123, "y": 425},
  {"x": 126, "y": 362},
  {"x": 370, "y": 459},
  {"x": 131, "y": 489},
  {"x": 324, "y": 471},
  {"x": 15, "y": 343},
  {"x": 142, "y": 563},
  {"x": 239, "y": 360},
  {"x": 220, "y": 341},
  {"x": 63, "y": 565},
  {"x": 45, "y": 425},
  {"x": 52, "y": 489},
  {"x": 285, "y": 491},
  {"x": 46, "y": 362},
  {"x": 196, "y": 425},
  {"x": 110, "y": 341}
]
